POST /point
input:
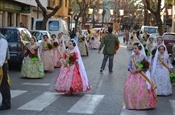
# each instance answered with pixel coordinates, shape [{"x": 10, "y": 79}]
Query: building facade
[{"x": 14, "y": 12}]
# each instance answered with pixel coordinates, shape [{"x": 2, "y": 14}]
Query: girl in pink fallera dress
[
  {"x": 47, "y": 54},
  {"x": 139, "y": 89},
  {"x": 72, "y": 77},
  {"x": 61, "y": 42},
  {"x": 56, "y": 51}
]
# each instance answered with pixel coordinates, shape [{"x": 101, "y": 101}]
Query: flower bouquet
[
  {"x": 70, "y": 59},
  {"x": 143, "y": 65},
  {"x": 55, "y": 44},
  {"x": 49, "y": 46},
  {"x": 148, "y": 53},
  {"x": 34, "y": 57},
  {"x": 172, "y": 77}
]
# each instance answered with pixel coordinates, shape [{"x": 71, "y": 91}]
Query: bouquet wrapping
[
  {"x": 143, "y": 65},
  {"x": 55, "y": 44},
  {"x": 49, "y": 46},
  {"x": 70, "y": 59}
]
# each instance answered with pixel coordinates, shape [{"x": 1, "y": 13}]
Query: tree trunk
[
  {"x": 76, "y": 25},
  {"x": 159, "y": 23},
  {"x": 83, "y": 20},
  {"x": 43, "y": 24},
  {"x": 145, "y": 17}
]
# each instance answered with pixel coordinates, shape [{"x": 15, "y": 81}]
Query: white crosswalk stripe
[
  {"x": 40, "y": 102},
  {"x": 35, "y": 84},
  {"x": 46, "y": 98},
  {"x": 91, "y": 102},
  {"x": 15, "y": 93},
  {"x": 172, "y": 103},
  {"x": 132, "y": 112}
]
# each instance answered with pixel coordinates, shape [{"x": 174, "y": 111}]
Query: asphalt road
[{"x": 38, "y": 97}]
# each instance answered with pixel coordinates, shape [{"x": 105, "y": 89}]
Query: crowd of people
[
  {"x": 149, "y": 72},
  {"x": 149, "y": 66}
]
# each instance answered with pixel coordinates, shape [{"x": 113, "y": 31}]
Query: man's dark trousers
[
  {"x": 5, "y": 88},
  {"x": 111, "y": 58}
]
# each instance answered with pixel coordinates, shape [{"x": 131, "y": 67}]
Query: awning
[{"x": 28, "y": 2}]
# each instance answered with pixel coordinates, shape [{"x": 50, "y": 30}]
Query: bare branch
[
  {"x": 56, "y": 8},
  {"x": 41, "y": 6}
]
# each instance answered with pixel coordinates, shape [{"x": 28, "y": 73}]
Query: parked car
[
  {"x": 39, "y": 35},
  {"x": 169, "y": 40},
  {"x": 17, "y": 39}
]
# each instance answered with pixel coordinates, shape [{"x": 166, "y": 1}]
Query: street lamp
[{"x": 91, "y": 12}]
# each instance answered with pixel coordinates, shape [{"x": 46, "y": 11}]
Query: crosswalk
[{"x": 85, "y": 105}]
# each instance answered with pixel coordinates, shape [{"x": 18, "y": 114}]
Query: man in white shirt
[{"x": 4, "y": 85}]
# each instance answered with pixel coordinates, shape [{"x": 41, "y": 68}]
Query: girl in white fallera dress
[
  {"x": 150, "y": 46},
  {"x": 161, "y": 69}
]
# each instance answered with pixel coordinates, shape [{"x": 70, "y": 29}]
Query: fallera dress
[
  {"x": 70, "y": 79},
  {"x": 32, "y": 67},
  {"x": 47, "y": 57},
  {"x": 137, "y": 95}
]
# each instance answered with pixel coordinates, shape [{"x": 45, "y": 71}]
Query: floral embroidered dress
[
  {"x": 70, "y": 79},
  {"x": 82, "y": 45},
  {"x": 137, "y": 92},
  {"x": 161, "y": 76},
  {"x": 32, "y": 66},
  {"x": 56, "y": 54},
  {"x": 47, "y": 56},
  {"x": 61, "y": 46}
]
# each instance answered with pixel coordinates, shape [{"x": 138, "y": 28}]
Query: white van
[
  {"x": 54, "y": 26},
  {"x": 152, "y": 30}
]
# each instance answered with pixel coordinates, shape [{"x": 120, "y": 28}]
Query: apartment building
[{"x": 14, "y": 12}]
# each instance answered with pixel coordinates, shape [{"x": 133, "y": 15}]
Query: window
[
  {"x": 38, "y": 25},
  {"x": 10, "y": 34},
  {"x": 151, "y": 30},
  {"x": 169, "y": 37},
  {"x": 53, "y": 25}
]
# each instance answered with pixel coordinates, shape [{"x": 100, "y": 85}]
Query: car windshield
[
  {"x": 169, "y": 37},
  {"x": 53, "y": 25},
  {"x": 39, "y": 35},
  {"x": 10, "y": 34},
  {"x": 151, "y": 30}
]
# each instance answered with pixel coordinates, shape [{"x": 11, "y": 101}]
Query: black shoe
[
  {"x": 110, "y": 71},
  {"x": 4, "y": 107},
  {"x": 101, "y": 71}
]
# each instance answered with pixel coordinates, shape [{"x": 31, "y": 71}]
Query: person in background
[
  {"x": 61, "y": 42},
  {"x": 82, "y": 44},
  {"x": 109, "y": 42},
  {"x": 47, "y": 54},
  {"x": 161, "y": 69},
  {"x": 4, "y": 84},
  {"x": 56, "y": 51},
  {"x": 145, "y": 38}
]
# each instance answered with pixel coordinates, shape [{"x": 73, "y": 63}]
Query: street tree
[
  {"x": 80, "y": 9},
  {"x": 155, "y": 7},
  {"x": 46, "y": 15}
]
